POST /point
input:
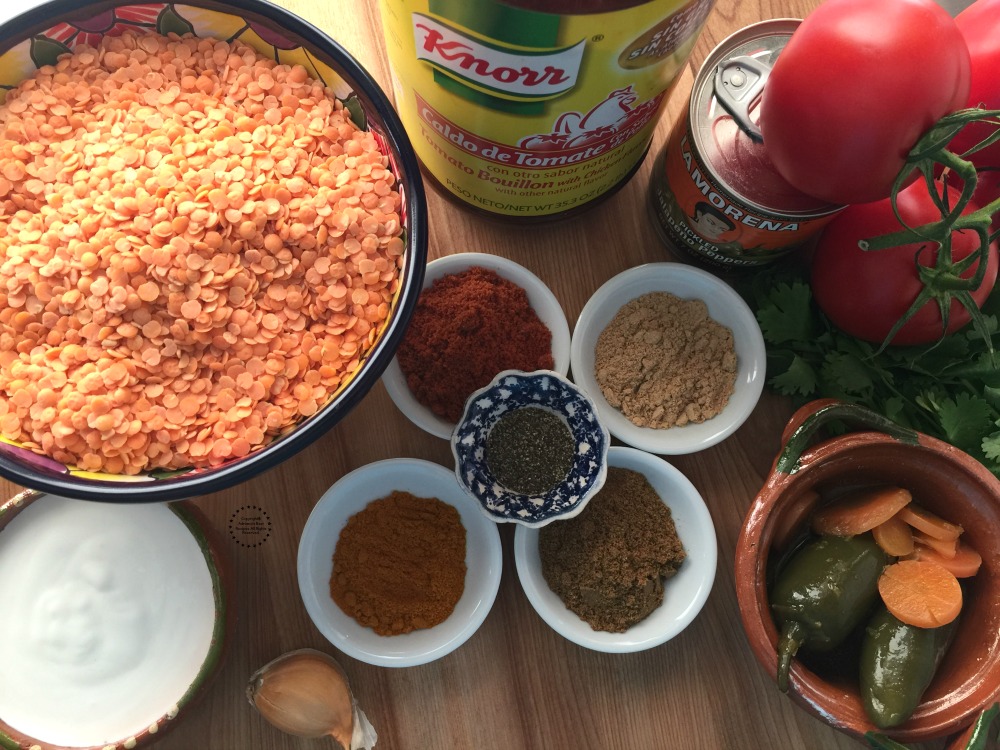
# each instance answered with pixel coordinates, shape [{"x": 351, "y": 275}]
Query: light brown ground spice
[
  {"x": 198, "y": 247},
  {"x": 608, "y": 563},
  {"x": 664, "y": 362},
  {"x": 399, "y": 564}
]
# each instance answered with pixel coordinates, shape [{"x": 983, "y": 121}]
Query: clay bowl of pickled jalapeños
[{"x": 868, "y": 576}]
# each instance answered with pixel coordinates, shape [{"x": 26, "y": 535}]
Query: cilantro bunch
[{"x": 949, "y": 389}]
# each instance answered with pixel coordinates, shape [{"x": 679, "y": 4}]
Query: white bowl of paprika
[{"x": 463, "y": 335}]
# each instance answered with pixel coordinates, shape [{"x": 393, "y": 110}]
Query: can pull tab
[{"x": 738, "y": 82}]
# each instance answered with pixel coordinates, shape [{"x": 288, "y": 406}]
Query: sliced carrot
[
  {"x": 930, "y": 524},
  {"x": 860, "y": 511},
  {"x": 944, "y": 547},
  {"x": 964, "y": 564},
  {"x": 921, "y": 593},
  {"x": 894, "y": 536},
  {"x": 792, "y": 520}
]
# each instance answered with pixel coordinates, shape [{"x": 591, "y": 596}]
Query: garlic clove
[
  {"x": 306, "y": 693},
  {"x": 365, "y": 736}
]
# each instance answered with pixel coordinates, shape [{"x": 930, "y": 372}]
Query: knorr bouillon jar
[{"x": 532, "y": 109}]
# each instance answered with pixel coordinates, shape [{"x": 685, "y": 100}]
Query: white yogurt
[{"x": 108, "y": 613}]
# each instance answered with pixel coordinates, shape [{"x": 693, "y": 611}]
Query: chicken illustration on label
[{"x": 612, "y": 115}]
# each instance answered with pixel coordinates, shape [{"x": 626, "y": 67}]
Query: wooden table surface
[{"x": 515, "y": 683}]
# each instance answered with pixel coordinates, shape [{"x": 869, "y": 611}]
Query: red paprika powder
[{"x": 466, "y": 328}]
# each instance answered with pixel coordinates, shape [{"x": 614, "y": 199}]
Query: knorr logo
[{"x": 508, "y": 72}]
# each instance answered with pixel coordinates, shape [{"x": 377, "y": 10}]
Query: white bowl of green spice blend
[
  {"x": 542, "y": 301},
  {"x": 530, "y": 448},
  {"x": 351, "y": 495},
  {"x": 724, "y": 307},
  {"x": 684, "y": 594}
]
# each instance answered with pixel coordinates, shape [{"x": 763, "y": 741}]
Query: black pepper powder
[{"x": 530, "y": 450}]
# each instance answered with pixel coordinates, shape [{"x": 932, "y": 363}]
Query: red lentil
[{"x": 188, "y": 266}]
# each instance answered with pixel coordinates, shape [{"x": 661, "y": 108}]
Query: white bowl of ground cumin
[
  {"x": 582, "y": 579},
  {"x": 671, "y": 355}
]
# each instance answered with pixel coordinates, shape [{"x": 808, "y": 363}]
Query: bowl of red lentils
[
  {"x": 478, "y": 315},
  {"x": 214, "y": 235}
]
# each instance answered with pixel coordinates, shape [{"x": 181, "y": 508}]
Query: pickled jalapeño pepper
[
  {"x": 823, "y": 593},
  {"x": 898, "y": 662}
]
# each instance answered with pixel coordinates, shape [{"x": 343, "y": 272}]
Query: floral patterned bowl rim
[
  {"x": 276, "y": 30},
  {"x": 510, "y": 390}
]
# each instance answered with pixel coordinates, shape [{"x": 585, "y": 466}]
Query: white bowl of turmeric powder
[
  {"x": 214, "y": 236},
  {"x": 671, "y": 355},
  {"x": 405, "y": 604}
]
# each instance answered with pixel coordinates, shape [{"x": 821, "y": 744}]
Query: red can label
[
  {"x": 714, "y": 192},
  {"x": 697, "y": 214}
]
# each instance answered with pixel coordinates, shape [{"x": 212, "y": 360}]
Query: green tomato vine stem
[{"x": 943, "y": 281}]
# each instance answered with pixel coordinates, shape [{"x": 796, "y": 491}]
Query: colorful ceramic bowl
[
  {"x": 542, "y": 300},
  {"x": 116, "y": 620},
  {"x": 684, "y": 594},
  {"x": 351, "y": 494},
  {"x": 38, "y": 36},
  {"x": 942, "y": 478},
  {"x": 512, "y": 390}
]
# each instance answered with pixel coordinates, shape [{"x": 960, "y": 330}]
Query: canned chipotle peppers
[
  {"x": 532, "y": 109},
  {"x": 714, "y": 194}
]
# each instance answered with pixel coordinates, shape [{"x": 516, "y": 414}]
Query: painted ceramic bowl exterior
[
  {"x": 223, "y": 631},
  {"x": 38, "y": 36},
  {"x": 943, "y": 479}
]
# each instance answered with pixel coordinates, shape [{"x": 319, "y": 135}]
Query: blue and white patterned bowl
[{"x": 511, "y": 390}]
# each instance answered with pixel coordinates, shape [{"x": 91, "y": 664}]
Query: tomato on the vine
[
  {"x": 854, "y": 89},
  {"x": 864, "y": 293},
  {"x": 980, "y": 26}
]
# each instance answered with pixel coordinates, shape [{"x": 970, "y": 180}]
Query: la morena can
[
  {"x": 535, "y": 110},
  {"x": 714, "y": 194}
]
